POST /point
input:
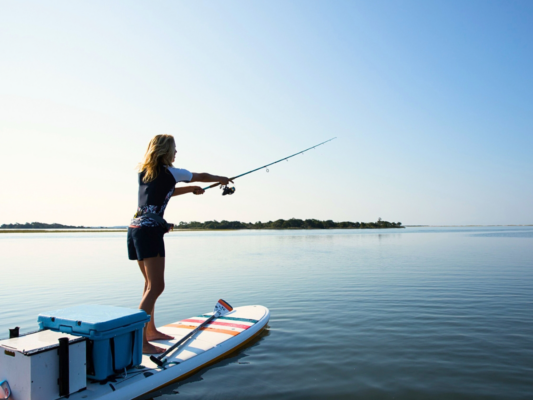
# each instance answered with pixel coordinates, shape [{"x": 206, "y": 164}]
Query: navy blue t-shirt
[{"x": 155, "y": 195}]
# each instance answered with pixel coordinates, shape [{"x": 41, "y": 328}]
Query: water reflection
[{"x": 413, "y": 313}]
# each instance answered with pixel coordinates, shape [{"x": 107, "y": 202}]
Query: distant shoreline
[
  {"x": 293, "y": 223},
  {"x": 175, "y": 230},
  {"x": 60, "y": 230},
  {"x": 111, "y": 230}
]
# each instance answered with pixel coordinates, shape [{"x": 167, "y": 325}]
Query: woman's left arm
[{"x": 188, "y": 189}]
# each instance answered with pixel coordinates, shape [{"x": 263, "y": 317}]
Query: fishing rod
[{"x": 231, "y": 190}]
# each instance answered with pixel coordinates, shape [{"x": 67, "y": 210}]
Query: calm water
[{"x": 418, "y": 313}]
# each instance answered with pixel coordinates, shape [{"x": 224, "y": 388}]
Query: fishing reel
[{"x": 227, "y": 190}]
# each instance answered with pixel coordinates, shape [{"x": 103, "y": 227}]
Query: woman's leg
[
  {"x": 151, "y": 332},
  {"x": 154, "y": 271}
]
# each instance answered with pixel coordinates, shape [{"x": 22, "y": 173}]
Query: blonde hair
[{"x": 160, "y": 152}]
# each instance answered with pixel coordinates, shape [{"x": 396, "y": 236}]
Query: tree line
[
  {"x": 292, "y": 223},
  {"x": 39, "y": 225}
]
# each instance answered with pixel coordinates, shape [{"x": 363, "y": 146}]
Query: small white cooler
[{"x": 36, "y": 365}]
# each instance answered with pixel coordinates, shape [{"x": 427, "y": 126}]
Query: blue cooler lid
[{"x": 87, "y": 319}]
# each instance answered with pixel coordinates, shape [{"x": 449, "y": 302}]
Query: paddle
[{"x": 221, "y": 308}]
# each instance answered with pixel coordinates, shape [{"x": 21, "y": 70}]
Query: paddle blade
[{"x": 222, "y": 308}]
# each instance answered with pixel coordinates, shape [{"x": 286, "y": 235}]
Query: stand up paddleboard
[{"x": 214, "y": 340}]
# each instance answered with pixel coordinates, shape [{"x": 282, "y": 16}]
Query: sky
[{"x": 431, "y": 104}]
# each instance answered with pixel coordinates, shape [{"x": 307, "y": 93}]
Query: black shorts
[{"x": 145, "y": 242}]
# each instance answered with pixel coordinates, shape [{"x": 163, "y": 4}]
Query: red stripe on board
[
  {"x": 205, "y": 328},
  {"x": 218, "y": 323}
]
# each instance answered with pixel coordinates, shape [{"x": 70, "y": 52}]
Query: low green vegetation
[
  {"x": 39, "y": 225},
  {"x": 292, "y": 223}
]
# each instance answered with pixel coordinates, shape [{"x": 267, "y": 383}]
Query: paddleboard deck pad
[{"x": 219, "y": 338}]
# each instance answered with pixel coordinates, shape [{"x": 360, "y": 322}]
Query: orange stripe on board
[
  {"x": 240, "y": 326},
  {"x": 232, "y": 333}
]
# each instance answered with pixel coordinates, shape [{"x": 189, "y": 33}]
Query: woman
[{"x": 157, "y": 181}]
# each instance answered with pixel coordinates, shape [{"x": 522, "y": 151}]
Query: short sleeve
[{"x": 180, "y": 175}]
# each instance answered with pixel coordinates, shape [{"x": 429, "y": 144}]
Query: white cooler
[{"x": 31, "y": 365}]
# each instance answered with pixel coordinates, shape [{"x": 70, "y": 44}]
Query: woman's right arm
[
  {"x": 188, "y": 189},
  {"x": 205, "y": 177}
]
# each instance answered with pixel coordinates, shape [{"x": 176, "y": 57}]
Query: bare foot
[
  {"x": 149, "y": 348},
  {"x": 158, "y": 336}
]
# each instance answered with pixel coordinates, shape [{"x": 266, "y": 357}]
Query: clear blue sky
[{"x": 431, "y": 101}]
